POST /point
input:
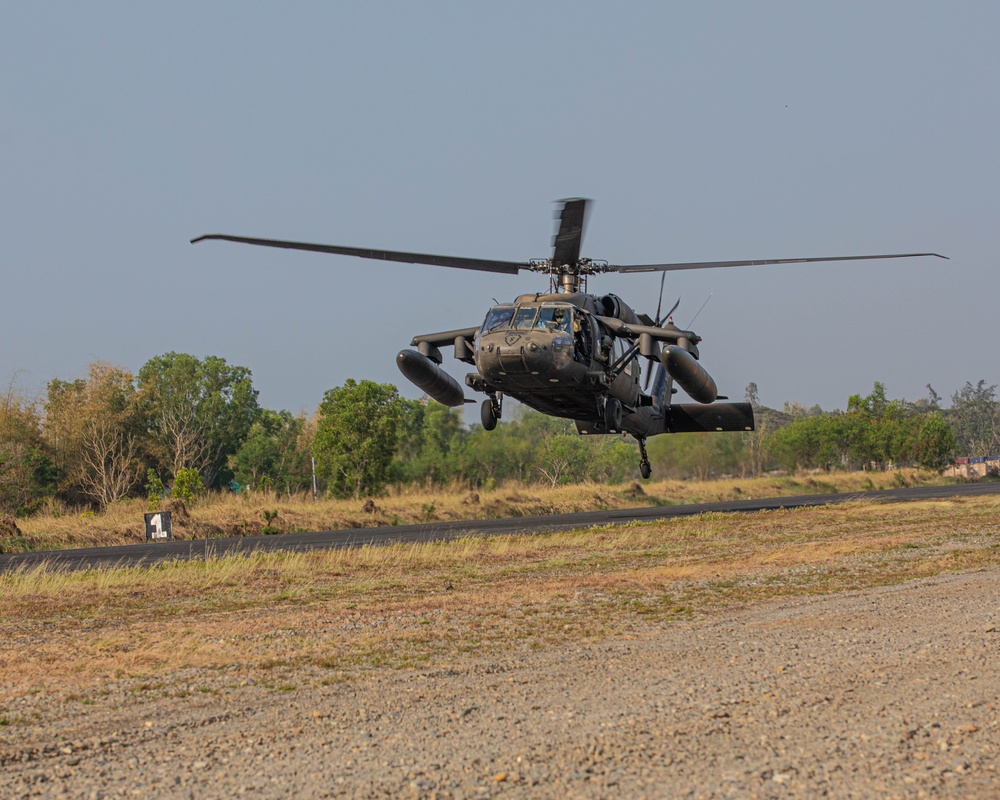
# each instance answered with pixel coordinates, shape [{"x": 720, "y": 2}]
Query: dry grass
[
  {"x": 232, "y": 515},
  {"x": 410, "y": 605}
]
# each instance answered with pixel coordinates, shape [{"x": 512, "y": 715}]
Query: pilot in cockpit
[{"x": 554, "y": 319}]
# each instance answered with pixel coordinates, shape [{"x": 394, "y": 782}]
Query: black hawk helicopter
[{"x": 568, "y": 353}]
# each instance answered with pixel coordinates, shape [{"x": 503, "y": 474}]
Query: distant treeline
[{"x": 187, "y": 424}]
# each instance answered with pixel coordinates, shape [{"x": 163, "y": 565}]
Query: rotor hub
[{"x": 569, "y": 278}]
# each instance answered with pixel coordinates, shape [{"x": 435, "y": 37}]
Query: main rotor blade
[
  {"x": 656, "y": 323},
  {"x": 659, "y": 303},
  {"x": 482, "y": 264},
  {"x": 572, "y": 221},
  {"x": 755, "y": 263},
  {"x": 667, "y": 316}
]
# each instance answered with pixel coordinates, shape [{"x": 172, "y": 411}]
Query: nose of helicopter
[{"x": 529, "y": 359}]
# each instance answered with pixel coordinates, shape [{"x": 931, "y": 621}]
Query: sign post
[{"x": 158, "y": 526}]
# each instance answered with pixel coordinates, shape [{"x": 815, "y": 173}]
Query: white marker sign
[{"x": 158, "y": 526}]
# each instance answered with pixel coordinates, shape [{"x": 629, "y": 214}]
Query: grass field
[
  {"x": 231, "y": 515},
  {"x": 341, "y": 612}
]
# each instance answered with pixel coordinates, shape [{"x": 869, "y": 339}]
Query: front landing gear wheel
[
  {"x": 645, "y": 470},
  {"x": 612, "y": 414},
  {"x": 488, "y": 414}
]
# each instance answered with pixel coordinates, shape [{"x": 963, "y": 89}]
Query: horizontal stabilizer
[{"x": 698, "y": 418}]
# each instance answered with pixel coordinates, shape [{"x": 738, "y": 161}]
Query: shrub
[{"x": 187, "y": 485}]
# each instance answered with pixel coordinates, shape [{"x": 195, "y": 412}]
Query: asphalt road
[{"x": 135, "y": 554}]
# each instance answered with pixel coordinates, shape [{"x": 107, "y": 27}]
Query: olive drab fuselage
[{"x": 551, "y": 353}]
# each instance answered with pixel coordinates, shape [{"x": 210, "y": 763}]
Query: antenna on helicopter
[{"x": 700, "y": 309}]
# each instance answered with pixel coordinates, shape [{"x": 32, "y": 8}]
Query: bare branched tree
[
  {"x": 184, "y": 436},
  {"x": 95, "y": 426},
  {"x": 111, "y": 457},
  {"x": 757, "y": 438}
]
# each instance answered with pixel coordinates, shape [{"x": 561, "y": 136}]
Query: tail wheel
[
  {"x": 644, "y": 468},
  {"x": 612, "y": 414}
]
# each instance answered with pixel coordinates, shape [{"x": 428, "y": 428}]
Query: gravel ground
[{"x": 891, "y": 692}]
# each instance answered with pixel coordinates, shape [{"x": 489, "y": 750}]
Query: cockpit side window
[
  {"x": 555, "y": 318},
  {"x": 525, "y": 318},
  {"x": 498, "y": 317}
]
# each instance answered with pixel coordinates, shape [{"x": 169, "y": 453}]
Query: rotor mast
[{"x": 569, "y": 279}]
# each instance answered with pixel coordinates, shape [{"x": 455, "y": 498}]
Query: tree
[
  {"x": 487, "y": 457},
  {"x": 96, "y": 429},
  {"x": 611, "y": 459},
  {"x": 270, "y": 456},
  {"x": 877, "y": 429},
  {"x": 874, "y": 432},
  {"x": 975, "y": 417},
  {"x": 756, "y": 440},
  {"x": 935, "y": 445},
  {"x": 201, "y": 412},
  {"x": 112, "y": 467},
  {"x": 27, "y": 474},
  {"x": 562, "y": 458},
  {"x": 356, "y": 436},
  {"x": 797, "y": 446},
  {"x": 697, "y": 455},
  {"x": 431, "y": 437}
]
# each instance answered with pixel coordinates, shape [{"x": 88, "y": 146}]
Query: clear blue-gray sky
[{"x": 703, "y": 131}]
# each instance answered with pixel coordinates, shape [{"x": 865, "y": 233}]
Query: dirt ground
[{"x": 885, "y": 692}]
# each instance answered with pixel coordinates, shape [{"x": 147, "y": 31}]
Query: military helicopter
[{"x": 568, "y": 353}]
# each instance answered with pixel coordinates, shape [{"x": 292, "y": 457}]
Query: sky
[{"x": 702, "y": 131}]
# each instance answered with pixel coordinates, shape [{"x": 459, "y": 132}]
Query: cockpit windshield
[
  {"x": 498, "y": 317},
  {"x": 525, "y": 318}
]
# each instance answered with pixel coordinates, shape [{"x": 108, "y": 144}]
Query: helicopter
[{"x": 571, "y": 354}]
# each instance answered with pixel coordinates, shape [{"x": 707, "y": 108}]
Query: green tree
[
  {"x": 431, "y": 437},
  {"x": 790, "y": 447},
  {"x": 975, "y": 417},
  {"x": 356, "y": 436},
  {"x": 509, "y": 452},
  {"x": 535, "y": 447},
  {"x": 27, "y": 473},
  {"x": 188, "y": 485},
  {"x": 874, "y": 432},
  {"x": 612, "y": 459},
  {"x": 270, "y": 456},
  {"x": 201, "y": 412},
  {"x": 562, "y": 458},
  {"x": 491, "y": 456},
  {"x": 935, "y": 445},
  {"x": 697, "y": 455},
  {"x": 549, "y": 449}
]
